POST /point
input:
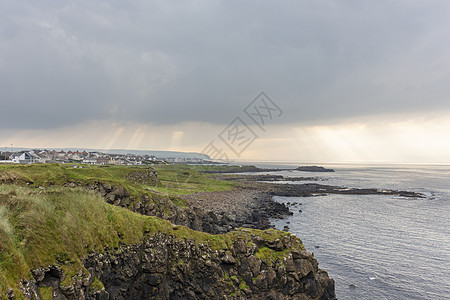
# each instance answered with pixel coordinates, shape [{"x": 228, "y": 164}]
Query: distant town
[{"x": 93, "y": 157}]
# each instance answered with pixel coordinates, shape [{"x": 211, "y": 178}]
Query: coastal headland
[{"x": 165, "y": 232}]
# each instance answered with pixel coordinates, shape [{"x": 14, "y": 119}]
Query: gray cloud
[{"x": 67, "y": 62}]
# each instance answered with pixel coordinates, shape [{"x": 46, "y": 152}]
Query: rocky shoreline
[
  {"x": 251, "y": 205},
  {"x": 314, "y": 189},
  {"x": 247, "y": 169},
  {"x": 252, "y": 265},
  {"x": 221, "y": 212},
  {"x": 266, "y": 177}
]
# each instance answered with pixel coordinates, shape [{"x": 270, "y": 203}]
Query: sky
[{"x": 343, "y": 81}]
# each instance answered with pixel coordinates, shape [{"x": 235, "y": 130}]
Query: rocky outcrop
[
  {"x": 314, "y": 189},
  {"x": 144, "y": 176},
  {"x": 166, "y": 267},
  {"x": 221, "y": 212},
  {"x": 246, "y": 169},
  {"x": 313, "y": 169},
  {"x": 264, "y": 177},
  {"x": 149, "y": 204}
]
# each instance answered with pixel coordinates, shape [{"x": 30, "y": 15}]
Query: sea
[{"x": 377, "y": 246}]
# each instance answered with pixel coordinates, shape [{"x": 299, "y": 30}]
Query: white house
[
  {"x": 24, "y": 158},
  {"x": 91, "y": 161}
]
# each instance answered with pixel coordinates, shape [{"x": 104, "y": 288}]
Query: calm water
[{"x": 379, "y": 247}]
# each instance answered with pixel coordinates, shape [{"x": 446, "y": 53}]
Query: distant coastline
[{"x": 157, "y": 153}]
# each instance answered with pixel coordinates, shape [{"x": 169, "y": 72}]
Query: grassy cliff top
[
  {"x": 172, "y": 180},
  {"x": 62, "y": 225}
]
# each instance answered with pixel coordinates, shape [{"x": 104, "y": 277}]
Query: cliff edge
[{"x": 60, "y": 239}]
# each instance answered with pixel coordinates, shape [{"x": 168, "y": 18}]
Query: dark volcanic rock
[
  {"x": 314, "y": 189},
  {"x": 245, "y": 169},
  {"x": 313, "y": 169},
  {"x": 164, "y": 267},
  {"x": 265, "y": 177},
  {"x": 221, "y": 212}
]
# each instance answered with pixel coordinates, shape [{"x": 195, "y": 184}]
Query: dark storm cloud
[{"x": 67, "y": 62}]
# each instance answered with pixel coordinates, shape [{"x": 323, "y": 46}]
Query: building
[
  {"x": 25, "y": 158},
  {"x": 91, "y": 160}
]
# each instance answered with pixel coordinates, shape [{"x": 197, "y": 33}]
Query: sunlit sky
[{"x": 355, "y": 81}]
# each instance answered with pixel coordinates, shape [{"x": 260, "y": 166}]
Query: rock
[
  {"x": 240, "y": 246},
  {"x": 144, "y": 176},
  {"x": 289, "y": 263},
  {"x": 164, "y": 267},
  {"x": 72, "y": 185},
  {"x": 10, "y": 293},
  {"x": 107, "y": 186},
  {"x": 228, "y": 258},
  {"x": 314, "y": 169}
]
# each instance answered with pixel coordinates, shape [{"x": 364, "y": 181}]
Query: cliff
[
  {"x": 164, "y": 266},
  {"x": 60, "y": 239}
]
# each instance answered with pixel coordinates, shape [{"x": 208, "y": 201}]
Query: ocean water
[{"x": 379, "y": 247}]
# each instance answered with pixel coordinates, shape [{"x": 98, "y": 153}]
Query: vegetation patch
[
  {"x": 46, "y": 293},
  {"x": 96, "y": 285},
  {"x": 187, "y": 179},
  {"x": 170, "y": 180},
  {"x": 243, "y": 286},
  {"x": 40, "y": 228},
  {"x": 271, "y": 256}
]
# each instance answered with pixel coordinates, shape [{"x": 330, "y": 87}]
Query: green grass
[
  {"x": 40, "y": 228},
  {"x": 167, "y": 189},
  {"x": 243, "y": 286},
  {"x": 59, "y": 174},
  {"x": 187, "y": 179},
  {"x": 267, "y": 235},
  {"x": 46, "y": 293},
  {"x": 173, "y": 179},
  {"x": 270, "y": 256},
  {"x": 96, "y": 285},
  {"x": 212, "y": 168}
]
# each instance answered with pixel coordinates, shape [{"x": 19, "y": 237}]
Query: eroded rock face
[
  {"x": 144, "y": 176},
  {"x": 149, "y": 204},
  {"x": 165, "y": 267},
  {"x": 211, "y": 212}
]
